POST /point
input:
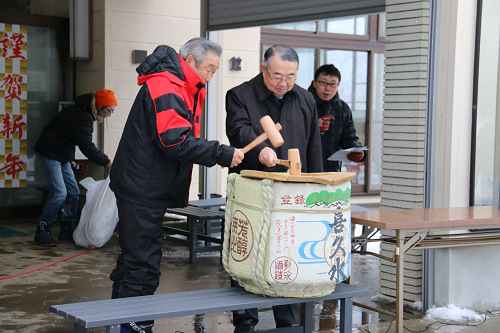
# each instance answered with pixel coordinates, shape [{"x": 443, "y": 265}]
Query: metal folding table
[{"x": 421, "y": 226}]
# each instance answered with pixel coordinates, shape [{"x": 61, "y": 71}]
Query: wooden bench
[{"x": 113, "y": 312}]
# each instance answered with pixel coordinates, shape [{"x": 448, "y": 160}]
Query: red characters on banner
[
  {"x": 13, "y": 165},
  {"x": 284, "y": 270},
  {"x": 9, "y": 128},
  {"x": 15, "y": 43},
  {"x": 297, "y": 200},
  {"x": 300, "y": 200},
  {"x": 286, "y": 200},
  {"x": 241, "y": 237},
  {"x": 14, "y": 90},
  {"x": 285, "y": 230}
]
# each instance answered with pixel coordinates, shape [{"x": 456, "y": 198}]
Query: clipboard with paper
[{"x": 341, "y": 155}]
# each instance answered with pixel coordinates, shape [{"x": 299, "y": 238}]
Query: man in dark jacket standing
[
  {"x": 153, "y": 163},
  {"x": 71, "y": 127},
  {"x": 273, "y": 92},
  {"x": 335, "y": 118}
]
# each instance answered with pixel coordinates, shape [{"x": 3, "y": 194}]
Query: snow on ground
[{"x": 452, "y": 313}]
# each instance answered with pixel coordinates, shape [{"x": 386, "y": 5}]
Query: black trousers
[
  {"x": 284, "y": 315},
  {"x": 140, "y": 231}
]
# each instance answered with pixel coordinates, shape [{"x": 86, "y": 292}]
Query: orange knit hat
[{"x": 105, "y": 97}]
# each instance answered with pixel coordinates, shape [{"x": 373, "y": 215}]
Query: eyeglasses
[
  {"x": 111, "y": 111},
  {"x": 324, "y": 84},
  {"x": 278, "y": 79}
]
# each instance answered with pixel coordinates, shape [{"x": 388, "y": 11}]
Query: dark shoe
[
  {"x": 43, "y": 235},
  {"x": 243, "y": 326},
  {"x": 137, "y": 327},
  {"x": 66, "y": 233}
]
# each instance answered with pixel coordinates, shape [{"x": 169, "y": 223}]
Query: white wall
[
  {"x": 466, "y": 277},
  {"x": 238, "y": 43}
]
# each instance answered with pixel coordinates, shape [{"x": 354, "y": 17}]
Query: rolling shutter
[{"x": 230, "y": 14}]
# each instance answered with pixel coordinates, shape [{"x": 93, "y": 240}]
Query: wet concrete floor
[{"x": 25, "y": 299}]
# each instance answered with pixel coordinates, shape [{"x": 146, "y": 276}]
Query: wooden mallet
[
  {"x": 293, "y": 162},
  {"x": 271, "y": 132}
]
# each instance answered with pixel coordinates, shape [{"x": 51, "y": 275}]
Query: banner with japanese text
[{"x": 13, "y": 105}]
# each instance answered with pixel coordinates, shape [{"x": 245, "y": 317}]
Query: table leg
[
  {"x": 79, "y": 328},
  {"x": 222, "y": 230},
  {"x": 345, "y": 315},
  {"x": 307, "y": 316},
  {"x": 400, "y": 238},
  {"x": 113, "y": 329},
  {"x": 208, "y": 231},
  {"x": 193, "y": 239}
]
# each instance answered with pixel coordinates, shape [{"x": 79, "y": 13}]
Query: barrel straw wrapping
[{"x": 287, "y": 239}]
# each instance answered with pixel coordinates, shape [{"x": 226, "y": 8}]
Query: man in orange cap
[{"x": 71, "y": 127}]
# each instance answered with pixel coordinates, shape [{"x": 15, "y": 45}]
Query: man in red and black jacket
[{"x": 152, "y": 167}]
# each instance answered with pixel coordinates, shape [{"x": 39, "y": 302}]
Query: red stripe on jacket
[{"x": 163, "y": 83}]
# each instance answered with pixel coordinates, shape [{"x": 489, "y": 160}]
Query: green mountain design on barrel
[{"x": 327, "y": 198}]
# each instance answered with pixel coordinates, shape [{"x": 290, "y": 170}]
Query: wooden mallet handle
[{"x": 257, "y": 141}]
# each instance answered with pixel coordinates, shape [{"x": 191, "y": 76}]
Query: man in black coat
[
  {"x": 273, "y": 92},
  {"x": 71, "y": 127},
  {"x": 335, "y": 118}
]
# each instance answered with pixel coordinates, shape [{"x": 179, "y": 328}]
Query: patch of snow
[{"x": 453, "y": 313}]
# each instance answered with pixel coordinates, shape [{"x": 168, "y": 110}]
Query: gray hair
[
  {"x": 198, "y": 48},
  {"x": 286, "y": 53}
]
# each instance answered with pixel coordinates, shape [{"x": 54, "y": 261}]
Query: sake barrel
[{"x": 288, "y": 236}]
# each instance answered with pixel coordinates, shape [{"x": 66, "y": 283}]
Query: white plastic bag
[{"x": 99, "y": 214}]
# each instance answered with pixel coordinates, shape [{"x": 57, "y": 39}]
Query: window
[
  {"x": 486, "y": 163},
  {"x": 357, "y": 25}
]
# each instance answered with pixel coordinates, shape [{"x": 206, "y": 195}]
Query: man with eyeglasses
[
  {"x": 274, "y": 93},
  {"x": 335, "y": 118}
]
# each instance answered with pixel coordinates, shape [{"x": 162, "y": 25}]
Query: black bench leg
[
  {"x": 306, "y": 314},
  {"x": 193, "y": 239},
  {"x": 78, "y": 328},
  {"x": 222, "y": 230},
  {"x": 113, "y": 329},
  {"x": 346, "y": 315}
]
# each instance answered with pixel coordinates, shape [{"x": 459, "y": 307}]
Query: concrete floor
[{"x": 25, "y": 299}]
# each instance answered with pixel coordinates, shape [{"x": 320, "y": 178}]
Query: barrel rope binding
[{"x": 231, "y": 180}]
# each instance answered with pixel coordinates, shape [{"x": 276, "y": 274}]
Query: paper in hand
[{"x": 341, "y": 155}]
